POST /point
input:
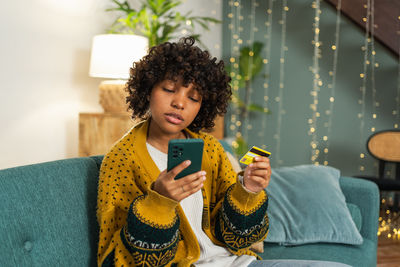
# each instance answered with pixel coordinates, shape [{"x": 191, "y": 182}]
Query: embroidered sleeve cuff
[
  {"x": 150, "y": 239},
  {"x": 238, "y": 224}
]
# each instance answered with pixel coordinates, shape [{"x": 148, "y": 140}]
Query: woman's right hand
[{"x": 179, "y": 189}]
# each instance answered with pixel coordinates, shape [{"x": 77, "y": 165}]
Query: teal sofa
[{"x": 48, "y": 218}]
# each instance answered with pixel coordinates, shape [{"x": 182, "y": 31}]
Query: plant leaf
[
  {"x": 156, "y": 19},
  {"x": 256, "y": 61},
  {"x": 257, "y": 108},
  {"x": 168, "y": 5}
]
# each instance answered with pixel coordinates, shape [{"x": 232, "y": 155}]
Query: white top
[{"x": 211, "y": 255}]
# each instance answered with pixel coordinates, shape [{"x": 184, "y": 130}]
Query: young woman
[{"x": 208, "y": 218}]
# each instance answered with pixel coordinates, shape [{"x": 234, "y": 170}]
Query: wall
[
  {"x": 348, "y": 136},
  {"x": 45, "y": 53}
]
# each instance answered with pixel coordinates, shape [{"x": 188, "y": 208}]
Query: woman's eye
[
  {"x": 168, "y": 90},
  {"x": 194, "y": 99}
]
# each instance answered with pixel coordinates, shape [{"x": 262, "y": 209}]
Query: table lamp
[{"x": 112, "y": 57}]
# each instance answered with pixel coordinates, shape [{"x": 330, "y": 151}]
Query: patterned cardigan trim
[
  {"x": 239, "y": 231},
  {"x": 143, "y": 234},
  {"x": 150, "y": 257},
  {"x": 149, "y": 245}
]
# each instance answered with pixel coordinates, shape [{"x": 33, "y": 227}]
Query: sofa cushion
[
  {"x": 306, "y": 205},
  {"x": 48, "y": 214}
]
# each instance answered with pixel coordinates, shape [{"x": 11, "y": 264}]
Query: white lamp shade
[{"x": 113, "y": 54}]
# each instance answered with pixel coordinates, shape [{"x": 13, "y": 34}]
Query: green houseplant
[
  {"x": 157, "y": 20},
  {"x": 249, "y": 68}
]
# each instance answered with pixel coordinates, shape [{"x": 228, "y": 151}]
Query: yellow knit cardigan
[{"x": 139, "y": 227}]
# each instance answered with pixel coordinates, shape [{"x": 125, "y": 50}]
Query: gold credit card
[{"x": 252, "y": 153}]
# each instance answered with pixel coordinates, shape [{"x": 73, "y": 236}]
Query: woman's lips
[{"x": 173, "y": 118}]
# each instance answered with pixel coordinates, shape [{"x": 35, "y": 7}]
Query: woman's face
[{"x": 173, "y": 106}]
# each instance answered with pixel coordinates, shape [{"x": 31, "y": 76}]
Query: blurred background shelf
[{"x": 99, "y": 131}]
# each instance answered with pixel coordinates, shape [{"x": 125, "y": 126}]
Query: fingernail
[
  {"x": 187, "y": 162},
  {"x": 251, "y": 165},
  {"x": 203, "y": 173},
  {"x": 204, "y": 178}
]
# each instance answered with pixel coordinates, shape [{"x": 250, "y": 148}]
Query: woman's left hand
[{"x": 257, "y": 175}]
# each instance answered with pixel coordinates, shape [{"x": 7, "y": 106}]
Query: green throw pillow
[{"x": 306, "y": 205}]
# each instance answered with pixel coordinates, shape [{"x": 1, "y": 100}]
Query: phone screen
[{"x": 180, "y": 150}]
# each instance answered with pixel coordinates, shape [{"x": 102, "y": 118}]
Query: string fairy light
[
  {"x": 247, "y": 125},
  {"x": 363, "y": 88},
  {"x": 234, "y": 27},
  {"x": 396, "y": 111},
  {"x": 317, "y": 82},
  {"x": 266, "y": 61},
  {"x": 369, "y": 63},
  {"x": 332, "y": 86},
  {"x": 389, "y": 219},
  {"x": 279, "y": 98},
  {"x": 374, "y": 65},
  {"x": 389, "y": 223}
]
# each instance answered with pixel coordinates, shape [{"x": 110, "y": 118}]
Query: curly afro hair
[{"x": 193, "y": 65}]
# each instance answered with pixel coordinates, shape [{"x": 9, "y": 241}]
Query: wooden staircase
[{"x": 386, "y": 19}]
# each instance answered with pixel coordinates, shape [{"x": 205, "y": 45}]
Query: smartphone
[{"x": 180, "y": 150}]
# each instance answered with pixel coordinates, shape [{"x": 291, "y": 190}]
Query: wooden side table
[{"x": 99, "y": 131}]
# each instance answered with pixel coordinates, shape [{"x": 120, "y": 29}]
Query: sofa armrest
[
  {"x": 365, "y": 195},
  {"x": 98, "y": 159}
]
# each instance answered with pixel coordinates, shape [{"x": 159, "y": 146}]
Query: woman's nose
[{"x": 178, "y": 101}]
